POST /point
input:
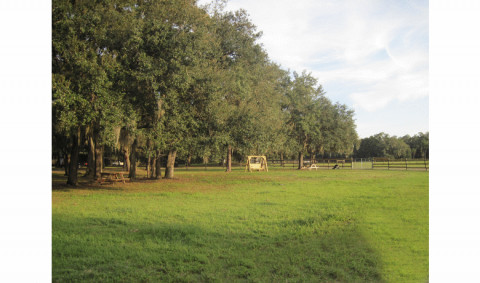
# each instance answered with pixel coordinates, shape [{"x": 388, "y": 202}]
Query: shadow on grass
[
  {"x": 59, "y": 183},
  {"x": 87, "y": 187},
  {"x": 114, "y": 249}
]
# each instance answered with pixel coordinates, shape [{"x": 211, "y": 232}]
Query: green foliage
[
  {"x": 84, "y": 69},
  {"x": 300, "y": 106},
  {"x": 374, "y": 146},
  {"x": 383, "y": 145},
  {"x": 418, "y": 144},
  {"x": 317, "y": 125},
  {"x": 173, "y": 77}
]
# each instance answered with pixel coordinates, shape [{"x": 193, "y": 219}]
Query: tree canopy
[
  {"x": 383, "y": 145},
  {"x": 155, "y": 79}
]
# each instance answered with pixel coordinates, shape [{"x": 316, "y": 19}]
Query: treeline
[
  {"x": 383, "y": 145},
  {"x": 147, "y": 79}
]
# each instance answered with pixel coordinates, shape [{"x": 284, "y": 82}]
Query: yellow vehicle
[{"x": 255, "y": 162}]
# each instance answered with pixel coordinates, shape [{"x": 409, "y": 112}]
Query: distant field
[{"x": 325, "y": 225}]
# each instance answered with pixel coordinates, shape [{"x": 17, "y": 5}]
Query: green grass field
[{"x": 309, "y": 226}]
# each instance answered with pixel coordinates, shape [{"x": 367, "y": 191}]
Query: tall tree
[
  {"x": 82, "y": 72},
  {"x": 190, "y": 54},
  {"x": 301, "y": 108},
  {"x": 250, "y": 100}
]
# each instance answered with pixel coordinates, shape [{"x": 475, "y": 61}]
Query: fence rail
[
  {"x": 320, "y": 163},
  {"x": 350, "y": 164},
  {"x": 386, "y": 163},
  {"x": 357, "y": 164}
]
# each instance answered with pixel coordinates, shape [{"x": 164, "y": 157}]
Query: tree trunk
[
  {"x": 98, "y": 161},
  {"x": 59, "y": 157},
  {"x": 149, "y": 159},
  {"x": 66, "y": 162},
  {"x": 73, "y": 166},
  {"x": 300, "y": 160},
  {"x": 229, "y": 159},
  {"x": 205, "y": 161},
  {"x": 170, "y": 164},
  {"x": 281, "y": 159},
  {"x": 126, "y": 157},
  {"x": 158, "y": 166},
  {"x": 189, "y": 159},
  {"x": 152, "y": 167},
  {"x": 133, "y": 161},
  {"x": 90, "y": 173}
]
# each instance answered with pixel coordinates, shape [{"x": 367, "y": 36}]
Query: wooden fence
[
  {"x": 348, "y": 163},
  {"x": 412, "y": 164},
  {"x": 354, "y": 164},
  {"x": 320, "y": 163}
]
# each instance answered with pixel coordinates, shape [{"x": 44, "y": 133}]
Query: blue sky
[{"x": 370, "y": 55}]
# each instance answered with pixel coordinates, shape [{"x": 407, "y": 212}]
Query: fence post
[
  {"x": 351, "y": 160},
  {"x": 406, "y": 166},
  {"x": 388, "y": 163}
]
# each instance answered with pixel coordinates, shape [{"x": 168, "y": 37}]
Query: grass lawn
[{"x": 284, "y": 225}]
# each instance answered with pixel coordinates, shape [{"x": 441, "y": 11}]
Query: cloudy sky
[{"x": 371, "y": 55}]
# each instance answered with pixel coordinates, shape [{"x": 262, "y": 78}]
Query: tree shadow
[
  {"x": 86, "y": 187},
  {"x": 59, "y": 183}
]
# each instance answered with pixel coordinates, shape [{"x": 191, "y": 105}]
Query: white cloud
[
  {"x": 371, "y": 55},
  {"x": 379, "y": 46}
]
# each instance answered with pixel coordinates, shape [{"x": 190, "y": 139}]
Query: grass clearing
[{"x": 326, "y": 225}]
